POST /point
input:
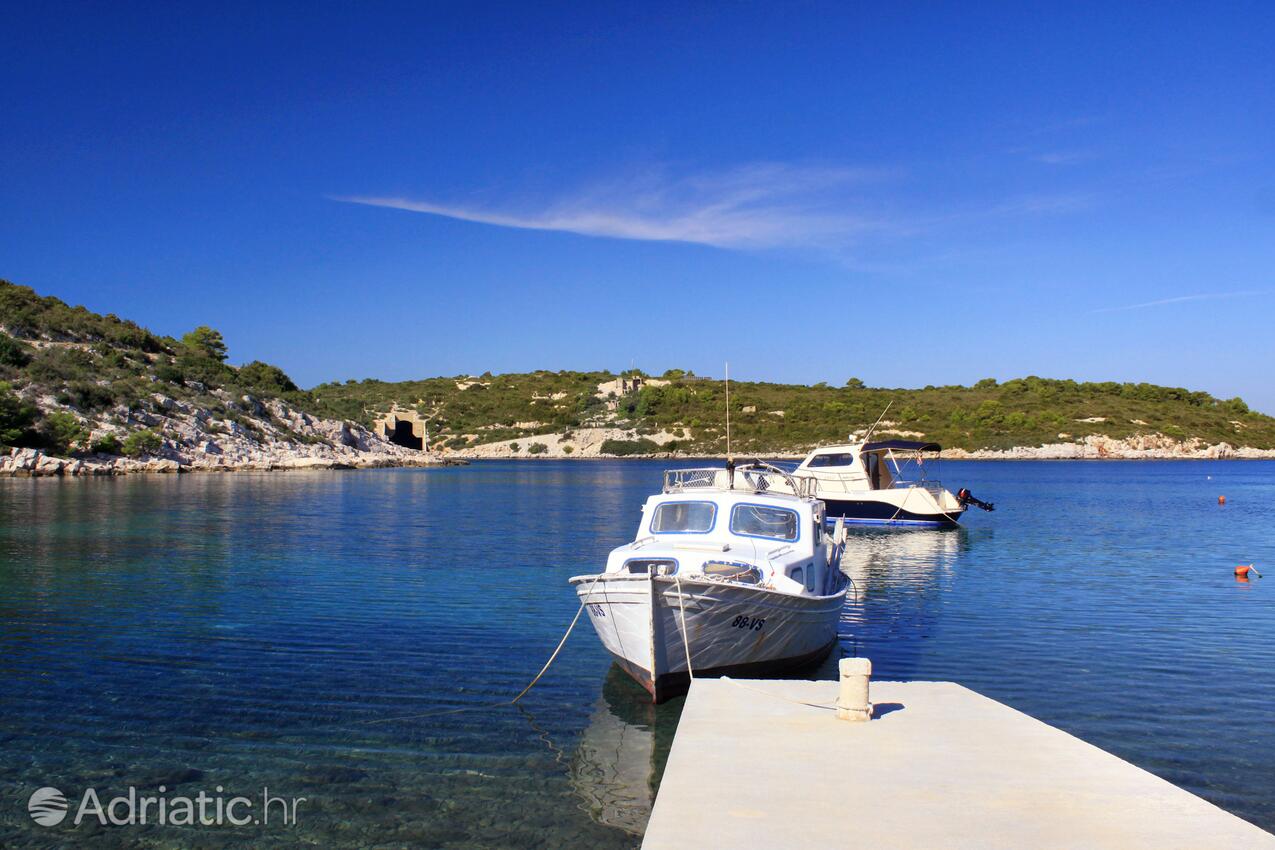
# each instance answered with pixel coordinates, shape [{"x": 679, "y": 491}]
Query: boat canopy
[{"x": 901, "y": 446}]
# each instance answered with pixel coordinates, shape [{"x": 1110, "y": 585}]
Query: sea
[{"x": 337, "y": 649}]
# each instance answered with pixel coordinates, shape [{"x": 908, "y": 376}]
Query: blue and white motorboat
[
  {"x": 884, "y": 483},
  {"x": 732, "y": 572}
]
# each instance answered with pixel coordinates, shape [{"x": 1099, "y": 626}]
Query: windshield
[
  {"x": 839, "y": 459},
  {"x": 683, "y": 517},
  {"x": 761, "y": 521}
]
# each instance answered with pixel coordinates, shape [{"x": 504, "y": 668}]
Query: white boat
[
  {"x": 870, "y": 483},
  {"x": 726, "y": 577}
]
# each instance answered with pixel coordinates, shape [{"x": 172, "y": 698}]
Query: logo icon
[{"x": 47, "y": 807}]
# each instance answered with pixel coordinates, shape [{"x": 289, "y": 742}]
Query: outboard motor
[{"x": 966, "y": 498}]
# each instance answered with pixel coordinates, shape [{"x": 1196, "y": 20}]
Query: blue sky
[{"x": 911, "y": 194}]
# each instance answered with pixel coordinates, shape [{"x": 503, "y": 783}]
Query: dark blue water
[{"x": 306, "y": 632}]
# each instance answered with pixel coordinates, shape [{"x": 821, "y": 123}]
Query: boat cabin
[
  {"x": 868, "y": 466},
  {"x": 741, "y": 528}
]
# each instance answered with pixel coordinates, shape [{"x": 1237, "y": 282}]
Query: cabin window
[
  {"x": 798, "y": 575},
  {"x": 683, "y": 518},
  {"x": 762, "y": 521},
  {"x": 842, "y": 459},
  {"x": 651, "y": 566}
]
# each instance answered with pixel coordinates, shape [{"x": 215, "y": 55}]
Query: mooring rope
[
  {"x": 739, "y": 684},
  {"x": 522, "y": 693},
  {"x": 686, "y": 644}
]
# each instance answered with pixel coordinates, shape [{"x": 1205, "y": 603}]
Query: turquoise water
[{"x": 305, "y": 632}]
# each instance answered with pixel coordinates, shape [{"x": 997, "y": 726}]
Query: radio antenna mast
[
  {"x": 728, "y": 455},
  {"x": 878, "y": 422}
]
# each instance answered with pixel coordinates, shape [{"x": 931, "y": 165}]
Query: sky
[{"x": 907, "y": 193}]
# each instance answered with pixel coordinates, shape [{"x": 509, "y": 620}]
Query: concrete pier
[{"x": 937, "y": 766}]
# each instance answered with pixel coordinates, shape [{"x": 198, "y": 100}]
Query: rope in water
[{"x": 523, "y": 692}]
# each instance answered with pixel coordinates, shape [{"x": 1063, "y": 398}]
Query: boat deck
[{"x": 940, "y": 766}]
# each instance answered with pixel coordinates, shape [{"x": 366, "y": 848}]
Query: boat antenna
[
  {"x": 878, "y": 422},
  {"x": 728, "y": 455}
]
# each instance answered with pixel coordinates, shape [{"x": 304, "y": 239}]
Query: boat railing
[
  {"x": 758, "y": 478},
  {"x": 935, "y": 487}
]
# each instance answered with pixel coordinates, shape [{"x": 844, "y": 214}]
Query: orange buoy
[
  {"x": 1221, "y": 500},
  {"x": 1242, "y": 571}
]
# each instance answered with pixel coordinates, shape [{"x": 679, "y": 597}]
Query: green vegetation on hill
[
  {"x": 96, "y": 368},
  {"x": 768, "y": 417}
]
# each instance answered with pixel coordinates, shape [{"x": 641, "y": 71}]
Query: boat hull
[
  {"x": 877, "y": 512},
  {"x": 731, "y": 629}
]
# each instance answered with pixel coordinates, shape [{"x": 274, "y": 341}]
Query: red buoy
[
  {"x": 1221, "y": 500},
  {"x": 1241, "y": 572}
]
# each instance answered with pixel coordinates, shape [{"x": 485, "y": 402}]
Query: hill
[
  {"x": 603, "y": 413},
  {"x": 83, "y": 392}
]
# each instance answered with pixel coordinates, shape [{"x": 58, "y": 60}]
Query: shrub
[
  {"x": 55, "y": 365},
  {"x": 142, "y": 442},
  {"x": 537, "y": 449},
  {"x": 12, "y": 352},
  {"x": 207, "y": 370},
  {"x": 566, "y": 450},
  {"x": 87, "y": 396},
  {"x": 621, "y": 448},
  {"x": 262, "y": 376},
  {"x": 170, "y": 374},
  {"x": 62, "y": 431},
  {"x": 16, "y": 417},
  {"x": 132, "y": 336},
  {"x": 514, "y": 447},
  {"x": 107, "y": 445}
]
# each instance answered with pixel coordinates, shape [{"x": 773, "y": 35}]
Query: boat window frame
[
  {"x": 655, "y": 512},
  {"x": 796, "y": 525},
  {"x": 677, "y": 565}
]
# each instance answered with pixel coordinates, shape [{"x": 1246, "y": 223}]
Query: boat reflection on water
[
  {"x": 880, "y": 558},
  {"x": 895, "y": 603},
  {"x": 617, "y": 766}
]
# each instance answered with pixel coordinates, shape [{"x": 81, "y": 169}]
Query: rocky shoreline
[
  {"x": 267, "y": 435},
  {"x": 1096, "y": 447},
  {"x": 1100, "y": 447},
  {"x": 21, "y": 463},
  {"x": 328, "y": 444}
]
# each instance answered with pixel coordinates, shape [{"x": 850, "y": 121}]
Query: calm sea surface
[{"x": 313, "y": 633}]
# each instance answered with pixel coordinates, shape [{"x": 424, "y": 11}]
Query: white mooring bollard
[{"x": 852, "y": 702}]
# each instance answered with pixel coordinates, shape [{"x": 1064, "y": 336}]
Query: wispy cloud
[
  {"x": 1180, "y": 299},
  {"x": 755, "y": 206},
  {"x": 1063, "y": 157},
  {"x": 847, "y": 213}
]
